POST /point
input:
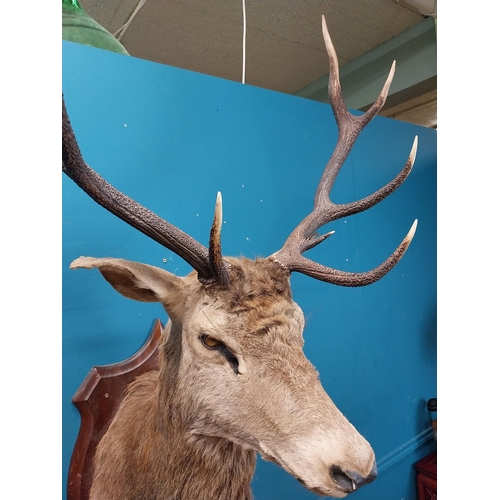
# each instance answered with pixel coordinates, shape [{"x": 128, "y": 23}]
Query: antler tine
[
  {"x": 342, "y": 278},
  {"x": 217, "y": 265},
  {"x": 304, "y": 236},
  {"x": 133, "y": 213},
  {"x": 349, "y": 125}
]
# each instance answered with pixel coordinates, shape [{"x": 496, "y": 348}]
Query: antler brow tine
[
  {"x": 302, "y": 237},
  {"x": 218, "y": 267}
]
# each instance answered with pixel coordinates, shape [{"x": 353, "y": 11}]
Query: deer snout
[{"x": 350, "y": 481}]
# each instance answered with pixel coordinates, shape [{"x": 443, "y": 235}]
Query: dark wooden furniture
[
  {"x": 97, "y": 400},
  {"x": 427, "y": 477}
]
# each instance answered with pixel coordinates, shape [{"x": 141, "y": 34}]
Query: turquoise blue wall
[{"x": 171, "y": 139}]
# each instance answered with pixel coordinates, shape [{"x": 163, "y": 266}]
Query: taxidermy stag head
[{"x": 233, "y": 380}]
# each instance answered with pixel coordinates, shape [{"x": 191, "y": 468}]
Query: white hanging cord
[
  {"x": 126, "y": 25},
  {"x": 244, "y": 42}
]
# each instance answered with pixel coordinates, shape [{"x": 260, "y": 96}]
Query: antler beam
[
  {"x": 208, "y": 262},
  {"x": 304, "y": 236}
]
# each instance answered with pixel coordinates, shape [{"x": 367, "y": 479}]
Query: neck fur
[{"x": 199, "y": 466}]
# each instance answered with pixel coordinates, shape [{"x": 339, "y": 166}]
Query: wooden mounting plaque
[{"x": 97, "y": 400}]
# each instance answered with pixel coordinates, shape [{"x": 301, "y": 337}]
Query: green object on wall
[{"x": 79, "y": 27}]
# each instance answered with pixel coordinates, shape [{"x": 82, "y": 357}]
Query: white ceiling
[{"x": 284, "y": 45}]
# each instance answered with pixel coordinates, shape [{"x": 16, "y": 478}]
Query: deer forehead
[
  {"x": 260, "y": 287},
  {"x": 264, "y": 323},
  {"x": 256, "y": 305}
]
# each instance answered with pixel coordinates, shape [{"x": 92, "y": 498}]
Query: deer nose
[{"x": 350, "y": 481}]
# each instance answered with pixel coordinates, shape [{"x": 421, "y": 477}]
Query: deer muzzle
[{"x": 327, "y": 455}]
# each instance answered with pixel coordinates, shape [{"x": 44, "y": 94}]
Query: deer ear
[{"x": 137, "y": 281}]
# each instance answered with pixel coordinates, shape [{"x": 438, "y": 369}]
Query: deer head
[{"x": 234, "y": 363}]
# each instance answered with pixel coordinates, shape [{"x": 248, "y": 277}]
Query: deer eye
[
  {"x": 210, "y": 342},
  {"x": 217, "y": 345}
]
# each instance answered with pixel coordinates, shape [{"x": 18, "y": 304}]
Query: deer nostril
[
  {"x": 342, "y": 479},
  {"x": 350, "y": 481}
]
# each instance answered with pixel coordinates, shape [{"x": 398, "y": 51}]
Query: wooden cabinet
[{"x": 427, "y": 477}]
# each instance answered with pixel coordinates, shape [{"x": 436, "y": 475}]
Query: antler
[
  {"x": 208, "y": 262},
  {"x": 304, "y": 236}
]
